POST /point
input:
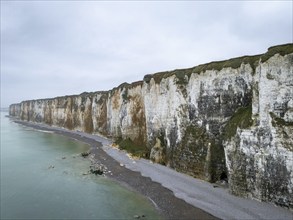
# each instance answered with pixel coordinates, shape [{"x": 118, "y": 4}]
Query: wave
[{"x": 44, "y": 131}]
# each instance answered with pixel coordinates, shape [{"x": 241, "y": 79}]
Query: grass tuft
[
  {"x": 132, "y": 148},
  {"x": 241, "y": 119}
]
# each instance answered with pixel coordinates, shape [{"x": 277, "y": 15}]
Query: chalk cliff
[{"x": 229, "y": 119}]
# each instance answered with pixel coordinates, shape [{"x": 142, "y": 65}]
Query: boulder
[
  {"x": 85, "y": 154},
  {"x": 97, "y": 169}
]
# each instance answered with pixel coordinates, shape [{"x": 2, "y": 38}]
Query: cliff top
[{"x": 218, "y": 65}]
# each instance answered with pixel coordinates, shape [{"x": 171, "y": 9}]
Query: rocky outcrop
[{"x": 231, "y": 118}]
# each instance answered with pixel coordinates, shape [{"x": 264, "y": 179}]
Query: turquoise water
[{"x": 30, "y": 189}]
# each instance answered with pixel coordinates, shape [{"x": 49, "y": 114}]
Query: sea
[{"x": 42, "y": 177}]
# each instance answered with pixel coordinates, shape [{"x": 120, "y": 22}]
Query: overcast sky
[{"x": 51, "y": 48}]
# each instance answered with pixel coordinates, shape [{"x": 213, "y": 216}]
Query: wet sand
[{"x": 175, "y": 195}]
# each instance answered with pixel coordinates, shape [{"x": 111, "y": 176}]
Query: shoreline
[
  {"x": 163, "y": 200},
  {"x": 175, "y": 195}
]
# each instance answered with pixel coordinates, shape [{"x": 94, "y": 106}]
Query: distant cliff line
[{"x": 229, "y": 119}]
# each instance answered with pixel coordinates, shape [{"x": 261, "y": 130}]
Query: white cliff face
[
  {"x": 126, "y": 113},
  {"x": 194, "y": 109},
  {"x": 99, "y": 113},
  {"x": 265, "y": 168},
  {"x": 163, "y": 111},
  {"x": 230, "y": 119}
]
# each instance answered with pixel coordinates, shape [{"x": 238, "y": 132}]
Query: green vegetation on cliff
[
  {"x": 132, "y": 148},
  {"x": 277, "y": 121},
  {"x": 241, "y": 119},
  {"x": 280, "y": 49}
]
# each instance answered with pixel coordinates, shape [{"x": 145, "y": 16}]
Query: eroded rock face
[
  {"x": 260, "y": 158},
  {"x": 230, "y": 119}
]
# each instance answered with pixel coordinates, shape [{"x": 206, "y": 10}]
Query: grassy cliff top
[
  {"x": 129, "y": 86},
  {"x": 218, "y": 65}
]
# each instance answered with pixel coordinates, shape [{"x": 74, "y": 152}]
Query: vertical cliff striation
[{"x": 229, "y": 119}]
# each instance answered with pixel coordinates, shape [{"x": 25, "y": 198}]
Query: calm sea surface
[{"x": 30, "y": 189}]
